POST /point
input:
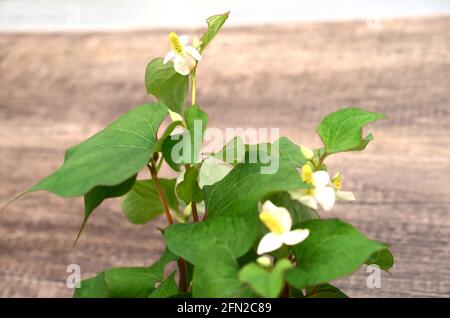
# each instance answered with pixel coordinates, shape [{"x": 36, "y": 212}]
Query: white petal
[
  {"x": 345, "y": 195},
  {"x": 268, "y": 206},
  {"x": 270, "y": 242},
  {"x": 280, "y": 213},
  {"x": 183, "y": 64},
  {"x": 309, "y": 201},
  {"x": 193, "y": 52},
  {"x": 326, "y": 197},
  {"x": 294, "y": 237},
  {"x": 321, "y": 178},
  {"x": 183, "y": 39},
  {"x": 169, "y": 56}
]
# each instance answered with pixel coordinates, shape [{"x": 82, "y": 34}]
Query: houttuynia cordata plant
[{"x": 242, "y": 221}]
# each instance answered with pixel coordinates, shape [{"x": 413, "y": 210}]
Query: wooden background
[{"x": 57, "y": 89}]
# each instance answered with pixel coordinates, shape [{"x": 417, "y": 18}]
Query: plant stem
[
  {"x": 162, "y": 198},
  {"x": 194, "y": 85},
  {"x": 194, "y": 211}
]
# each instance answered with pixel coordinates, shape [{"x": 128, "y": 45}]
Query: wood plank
[{"x": 57, "y": 89}]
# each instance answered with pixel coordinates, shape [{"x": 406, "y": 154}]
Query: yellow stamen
[
  {"x": 175, "y": 43},
  {"x": 307, "y": 174},
  {"x": 337, "y": 181},
  {"x": 272, "y": 223}
]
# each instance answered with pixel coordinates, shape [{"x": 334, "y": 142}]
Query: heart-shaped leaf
[{"x": 110, "y": 157}]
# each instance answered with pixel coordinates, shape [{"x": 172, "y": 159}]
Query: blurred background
[{"x": 68, "y": 68}]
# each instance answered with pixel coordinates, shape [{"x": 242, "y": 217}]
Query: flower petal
[
  {"x": 294, "y": 237},
  {"x": 169, "y": 56},
  {"x": 309, "y": 201},
  {"x": 183, "y": 39},
  {"x": 183, "y": 64},
  {"x": 321, "y": 178},
  {"x": 345, "y": 195},
  {"x": 193, "y": 52},
  {"x": 326, "y": 197},
  {"x": 276, "y": 215},
  {"x": 270, "y": 242}
]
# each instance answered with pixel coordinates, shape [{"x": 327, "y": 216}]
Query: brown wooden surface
[{"x": 57, "y": 89}]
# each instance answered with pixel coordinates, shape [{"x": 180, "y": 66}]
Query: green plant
[{"x": 234, "y": 230}]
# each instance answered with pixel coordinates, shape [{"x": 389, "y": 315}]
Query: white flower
[
  {"x": 184, "y": 56},
  {"x": 324, "y": 191},
  {"x": 279, "y": 222}
]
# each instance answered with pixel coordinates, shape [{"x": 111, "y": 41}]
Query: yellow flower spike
[
  {"x": 184, "y": 56},
  {"x": 272, "y": 222},
  {"x": 175, "y": 43},
  {"x": 307, "y": 174},
  {"x": 337, "y": 181}
]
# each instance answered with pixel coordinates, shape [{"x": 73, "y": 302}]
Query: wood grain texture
[{"x": 57, "y": 89}]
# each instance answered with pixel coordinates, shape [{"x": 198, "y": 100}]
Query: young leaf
[
  {"x": 188, "y": 189},
  {"x": 125, "y": 282},
  {"x": 142, "y": 203},
  {"x": 170, "y": 87},
  {"x": 265, "y": 283},
  {"x": 342, "y": 130},
  {"x": 215, "y": 23},
  {"x": 110, "y": 157},
  {"x": 333, "y": 249},
  {"x": 324, "y": 291},
  {"x": 382, "y": 258},
  {"x": 95, "y": 197}
]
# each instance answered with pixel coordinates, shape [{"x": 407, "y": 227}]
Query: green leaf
[
  {"x": 266, "y": 283},
  {"x": 95, "y": 197},
  {"x": 211, "y": 171},
  {"x": 94, "y": 287},
  {"x": 167, "y": 288},
  {"x": 324, "y": 291},
  {"x": 291, "y": 152},
  {"x": 166, "y": 135},
  {"x": 233, "y": 152},
  {"x": 342, "y": 130},
  {"x": 142, "y": 203},
  {"x": 188, "y": 189},
  {"x": 232, "y": 212},
  {"x": 170, "y": 87},
  {"x": 196, "y": 123},
  {"x": 382, "y": 258},
  {"x": 125, "y": 282},
  {"x": 218, "y": 277},
  {"x": 333, "y": 249},
  {"x": 299, "y": 212},
  {"x": 110, "y": 157},
  {"x": 167, "y": 148},
  {"x": 215, "y": 23}
]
